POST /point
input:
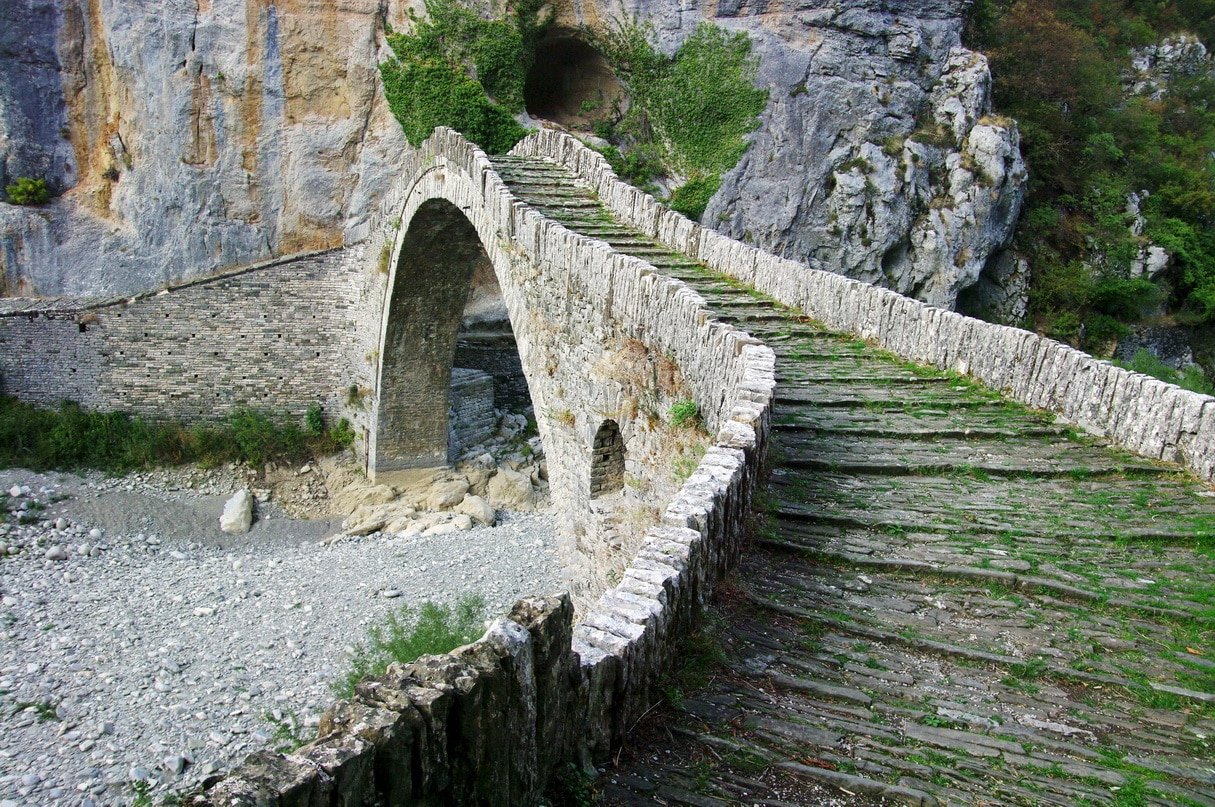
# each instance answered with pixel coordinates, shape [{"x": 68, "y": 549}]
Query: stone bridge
[{"x": 595, "y": 277}]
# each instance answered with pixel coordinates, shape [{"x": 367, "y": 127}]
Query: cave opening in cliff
[
  {"x": 451, "y": 379},
  {"x": 570, "y": 83}
]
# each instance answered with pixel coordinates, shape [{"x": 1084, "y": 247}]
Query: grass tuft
[{"x": 403, "y": 638}]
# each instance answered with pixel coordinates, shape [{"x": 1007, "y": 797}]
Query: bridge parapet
[
  {"x": 490, "y": 723},
  {"x": 1147, "y": 416}
]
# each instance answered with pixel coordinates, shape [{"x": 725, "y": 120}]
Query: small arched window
[{"x": 607, "y": 460}]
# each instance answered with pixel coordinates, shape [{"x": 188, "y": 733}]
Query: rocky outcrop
[
  {"x": 878, "y": 157},
  {"x": 1154, "y": 66},
  {"x": 186, "y": 136}
]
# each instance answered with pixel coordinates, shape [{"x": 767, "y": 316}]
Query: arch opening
[
  {"x": 570, "y": 83},
  {"x": 607, "y": 461},
  {"x": 450, "y": 364}
]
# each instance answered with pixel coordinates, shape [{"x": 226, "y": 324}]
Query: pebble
[{"x": 160, "y": 656}]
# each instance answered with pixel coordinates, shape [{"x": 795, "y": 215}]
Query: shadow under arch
[{"x": 439, "y": 254}]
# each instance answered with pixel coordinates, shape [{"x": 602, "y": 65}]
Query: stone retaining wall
[
  {"x": 1147, "y": 416},
  {"x": 270, "y": 336}
]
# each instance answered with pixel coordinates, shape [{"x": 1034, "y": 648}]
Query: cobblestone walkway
[{"x": 949, "y": 599}]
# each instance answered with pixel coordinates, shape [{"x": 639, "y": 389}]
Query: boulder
[
  {"x": 478, "y": 509},
  {"x": 365, "y": 520},
  {"x": 446, "y": 494},
  {"x": 511, "y": 490},
  {"x": 237, "y": 517}
]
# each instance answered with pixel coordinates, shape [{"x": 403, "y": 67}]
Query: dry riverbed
[{"x": 138, "y": 643}]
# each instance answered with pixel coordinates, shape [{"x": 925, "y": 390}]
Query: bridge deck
[{"x": 949, "y": 598}]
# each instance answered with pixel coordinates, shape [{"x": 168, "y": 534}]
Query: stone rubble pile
[{"x": 506, "y": 472}]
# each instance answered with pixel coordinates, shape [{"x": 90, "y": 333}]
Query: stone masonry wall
[
  {"x": 491, "y": 722},
  {"x": 1147, "y": 416},
  {"x": 471, "y": 404},
  {"x": 271, "y": 336}
]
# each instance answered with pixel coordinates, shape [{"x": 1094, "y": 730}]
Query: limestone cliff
[
  {"x": 185, "y": 135},
  {"x": 877, "y": 156}
]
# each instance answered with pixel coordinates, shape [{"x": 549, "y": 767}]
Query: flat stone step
[{"x": 1019, "y": 456}]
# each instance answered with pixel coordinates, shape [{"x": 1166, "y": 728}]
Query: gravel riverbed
[{"x": 139, "y": 643}]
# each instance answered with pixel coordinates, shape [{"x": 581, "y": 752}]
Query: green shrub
[
  {"x": 342, "y": 434},
  {"x": 403, "y": 638},
  {"x": 692, "y": 197},
  {"x": 461, "y": 70},
  {"x": 314, "y": 421},
  {"x": 27, "y": 191},
  {"x": 72, "y": 438},
  {"x": 689, "y": 113},
  {"x": 1192, "y": 378},
  {"x": 684, "y": 413}
]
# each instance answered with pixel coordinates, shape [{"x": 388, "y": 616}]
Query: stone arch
[
  {"x": 438, "y": 255},
  {"x": 570, "y": 81},
  {"x": 607, "y": 460}
]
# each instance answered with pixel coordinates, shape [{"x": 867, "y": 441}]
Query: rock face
[
  {"x": 186, "y": 136},
  {"x": 189, "y": 136},
  {"x": 878, "y": 157}
]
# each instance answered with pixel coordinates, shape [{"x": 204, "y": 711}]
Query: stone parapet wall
[{"x": 1147, "y": 416}]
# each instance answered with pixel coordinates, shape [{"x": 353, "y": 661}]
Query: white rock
[
  {"x": 238, "y": 513},
  {"x": 511, "y": 490},
  {"x": 14, "y": 491},
  {"x": 56, "y": 553}
]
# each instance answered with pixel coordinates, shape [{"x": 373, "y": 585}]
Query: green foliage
[
  {"x": 1191, "y": 378},
  {"x": 684, "y": 413},
  {"x": 458, "y": 69},
  {"x": 27, "y": 191},
  {"x": 1057, "y": 67},
  {"x": 689, "y": 114},
  {"x": 314, "y": 421},
  {"x": 70, "y": 438},
  {"x": 341, "y": 434},
  {"x": 402, "y": 639},
  {"x": 692, "y": 197},
  {"x": 141, "y": 794},
  {"x": 639, "y": 167}
]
